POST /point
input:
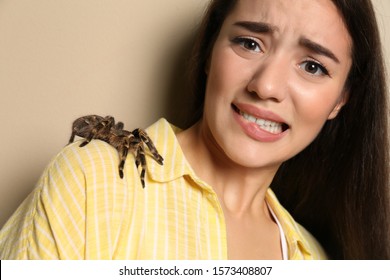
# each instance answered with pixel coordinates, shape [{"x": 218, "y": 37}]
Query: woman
[
  {"x": 338, "y": 186},
  {"x": 278, "y": 85}
]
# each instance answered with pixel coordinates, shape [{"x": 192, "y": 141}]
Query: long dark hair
[{"x": 338, "y": 187}]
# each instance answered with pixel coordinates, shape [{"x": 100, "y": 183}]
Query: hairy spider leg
[
  {"x": 123, "y": 151},
  {"x": 135, "y": 145},
  {"x": 145, "y": 138},
  {"x": 140, "y": 159},
  {"x": 72, "y": 136}
]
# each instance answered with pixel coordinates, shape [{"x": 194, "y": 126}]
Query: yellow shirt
[{"x": 82, "y": 209}]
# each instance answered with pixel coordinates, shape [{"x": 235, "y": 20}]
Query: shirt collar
[
  {"x": 163, "y": 135},
  {"x": 296, "y": 241}
]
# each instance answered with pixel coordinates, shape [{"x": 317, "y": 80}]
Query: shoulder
[
  {"x": 91, "y": 163},
  {"x": 98, "y": 162},
  {"x": 88, "y": 158},
  {"x": 79, "y": 193},
  {"x": 78, "y": 177}
]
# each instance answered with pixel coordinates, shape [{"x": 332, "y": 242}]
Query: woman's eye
[
  {"x": 248, "y": 43},
  {"x": 314, "y": 68}
]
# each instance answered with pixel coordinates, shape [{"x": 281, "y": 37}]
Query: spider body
[{"x": 105, "y": 129}]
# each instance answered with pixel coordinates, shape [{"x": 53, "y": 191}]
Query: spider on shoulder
[{"x": 105, "y": 129}]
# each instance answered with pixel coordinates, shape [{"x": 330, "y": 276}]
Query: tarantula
[{"x": 104, "y": 128}]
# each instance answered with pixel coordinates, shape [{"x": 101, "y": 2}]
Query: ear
[{"x": 340, "y": 103}]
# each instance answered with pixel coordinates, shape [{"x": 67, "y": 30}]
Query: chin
[{"x": 249, "y": 159}]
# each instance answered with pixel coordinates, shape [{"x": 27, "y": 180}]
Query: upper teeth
[{"x": 270, "y": 126}]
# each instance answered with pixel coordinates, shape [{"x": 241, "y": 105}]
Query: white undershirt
[{"x": 283, "y": 240}]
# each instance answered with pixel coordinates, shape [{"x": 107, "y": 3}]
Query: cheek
[
  {"x": 313, "y": 106},
  {"x": 217, "y": 88},
  {"x": 222, "y": 76}
]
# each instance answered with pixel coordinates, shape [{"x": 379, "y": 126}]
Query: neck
[{"x": 240, "y": 189}]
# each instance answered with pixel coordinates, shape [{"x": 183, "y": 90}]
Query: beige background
[{"x": 61, "y": 59}]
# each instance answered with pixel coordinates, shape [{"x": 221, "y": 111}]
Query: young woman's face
[{"x": 275, "y": 76}]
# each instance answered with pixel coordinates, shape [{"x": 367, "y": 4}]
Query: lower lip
[{"x": 255, "y": 132}]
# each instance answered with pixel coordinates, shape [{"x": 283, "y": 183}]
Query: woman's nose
[{"x": 269, "y": 80}]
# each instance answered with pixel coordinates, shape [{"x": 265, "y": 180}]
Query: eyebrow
[
  {"x": 317, "y": 48},
  {"x": 256, "y": 27},
  {"x": 261, "y": 27}
]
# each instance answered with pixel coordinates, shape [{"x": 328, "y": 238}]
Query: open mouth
[{"x": 267, "y": 125}]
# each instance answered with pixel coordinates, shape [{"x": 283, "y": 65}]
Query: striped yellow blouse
[{"x": 81, "y": 209}]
